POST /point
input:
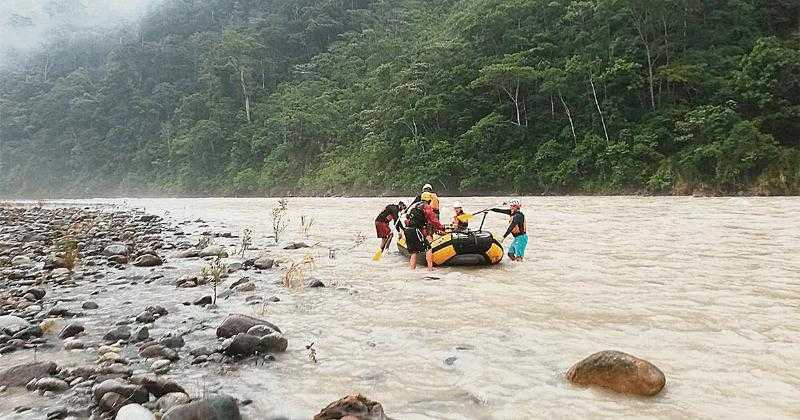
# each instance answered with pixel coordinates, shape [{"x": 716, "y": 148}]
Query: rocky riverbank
[{"x": 103, "y": 311}]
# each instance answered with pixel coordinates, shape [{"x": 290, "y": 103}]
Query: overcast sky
[{"x": 25, "y": 23}]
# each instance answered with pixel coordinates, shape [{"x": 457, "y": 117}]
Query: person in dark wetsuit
[
  {"x": 421, "y": 219},
  {"x": 516, "y": 228},
  {"x": 389, "y": 214}
]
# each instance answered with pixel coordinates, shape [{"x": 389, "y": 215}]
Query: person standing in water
[
  {"x": 389, "y": 214},
  {"x": 516, "y": 228},
  {"x": 421, "y": 219}
]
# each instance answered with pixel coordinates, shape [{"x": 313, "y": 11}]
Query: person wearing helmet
[
  {"x": 516, "y": 228},
  {"x": 420, "y": 221},
  {"x": 390, "y": 213},
  {"x": 460, "y": 222},
  {"x": 428, "y": 188}
]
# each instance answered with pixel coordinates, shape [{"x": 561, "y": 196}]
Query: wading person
[
  {"x": 420, "y": 220},
  {"x": 434, "y": 198},
  {"x": 460, "y": 219},
  {"x": 389, "y": 214},
  {"x": 516, "y": 228}
]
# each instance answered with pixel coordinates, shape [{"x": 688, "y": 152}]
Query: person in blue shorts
[{"x": 516, "y": 228}]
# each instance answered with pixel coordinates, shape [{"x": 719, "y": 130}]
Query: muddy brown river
[{"x": 708, "y": 289}]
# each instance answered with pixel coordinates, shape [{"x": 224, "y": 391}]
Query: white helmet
[
  {"x": 457, "y": 205},
  {"x": 514, "y": 203},
  {"x": 427, "y": 187}
]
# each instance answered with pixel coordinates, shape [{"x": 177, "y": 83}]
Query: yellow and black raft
[{"x": 461, "y": 249}]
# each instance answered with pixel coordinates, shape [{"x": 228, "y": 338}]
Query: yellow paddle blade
[
  {"x": 377, "y": 256},
  {"x": 465, "y": 217}
]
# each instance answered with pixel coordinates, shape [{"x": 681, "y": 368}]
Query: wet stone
[
  {"x": 619, "y": 372},
  {"x": 172, "y": 341},
  {"x": 220, "y": 407},
  {"x": 205, "y": 300},
  {"x": 73, "y": 344},
  {"x": 352, "y": 407},
  {"x": 52, "y": 385},
  {"x": 89, "y": 305},
  {"x": 122, "y": 332},
  {"x": 237, "y": 323},
  {"x": 148, "y": 260},
  {"x": 71, "y": 330},
  {"x": 314, "y": 283},
  {"x": 135, "y": 393},
  {"x": 21, "y": 374},
  {"x": 141, "y": 334},
  {"x": 146, "y": 318},
  {"x": 134, "y": 412},
  {"x": 157, "y": 385}
]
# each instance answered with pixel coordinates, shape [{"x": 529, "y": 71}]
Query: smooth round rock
[{"x": 618, "y": 372}]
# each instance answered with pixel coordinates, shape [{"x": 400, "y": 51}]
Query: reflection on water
[{"x": 707, "y": 289}]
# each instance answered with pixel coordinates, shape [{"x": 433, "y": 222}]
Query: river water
[{"x": 708, "y": 289}]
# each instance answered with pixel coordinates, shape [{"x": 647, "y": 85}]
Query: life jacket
[
  {"x": 458, "y": 224},
  {"x": 416, "y": 216},
  {"x": 435, "y": 202},
  {"x": 518, "y": 229}
]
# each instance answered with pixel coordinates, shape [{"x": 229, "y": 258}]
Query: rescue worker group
[{"x": 422, "y": 222}]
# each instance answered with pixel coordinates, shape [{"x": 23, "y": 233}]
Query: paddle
[{"x": 466, "y": 217}]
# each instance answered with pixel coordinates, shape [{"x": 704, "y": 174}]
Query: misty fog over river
[{"x": 705, "y": 288}]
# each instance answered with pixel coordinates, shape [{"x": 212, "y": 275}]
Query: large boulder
[
  {"x": 352, "y": 407},
  {"x": 248, "y": 345},
  {"x": 220, "y": 407},
  {"x": 134, "y": 412},
  {"x": 13, "y": 323},
  {"x": 619, "y": 372},
  {"x": 237, "y": 323},
  {"x": 274, "y": 343},
  {"x": 116, "y": 249},
  {"x": 148, "y": 260},
  {"x": 134, "y": 393},
  {"x": 242, "y": 345}
]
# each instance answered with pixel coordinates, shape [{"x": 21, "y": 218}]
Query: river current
[{"x": 707, "y": 289}]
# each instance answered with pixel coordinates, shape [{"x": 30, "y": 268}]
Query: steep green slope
[{"x": 366, "y": 96}]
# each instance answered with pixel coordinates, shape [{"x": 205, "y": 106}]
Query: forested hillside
[{"x": 254, "y": 97}]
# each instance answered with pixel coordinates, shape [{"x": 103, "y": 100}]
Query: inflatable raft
[{"x": 461, "y": 248}]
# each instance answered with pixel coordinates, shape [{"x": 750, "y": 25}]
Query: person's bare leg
[
  {"x": 413, "y": 261},
  {"x": 429, "y": 259}
]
